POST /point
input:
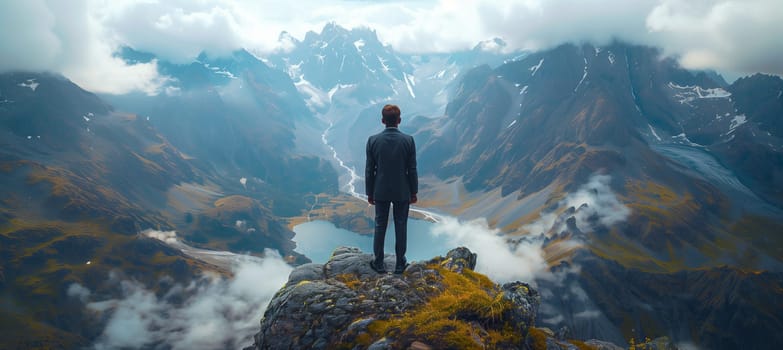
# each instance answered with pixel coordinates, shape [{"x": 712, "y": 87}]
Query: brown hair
[{"x": 391, "y": 114}]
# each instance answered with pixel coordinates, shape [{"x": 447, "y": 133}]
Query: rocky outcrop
[{"x": 435, "y": 304}]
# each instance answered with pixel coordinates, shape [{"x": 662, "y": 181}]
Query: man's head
[{"x": 391, "y": 115}]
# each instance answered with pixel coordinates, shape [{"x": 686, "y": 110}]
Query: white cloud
[
  {"x": 497, "y": 258},
  {"x": 67, "y": 38},
  {"x": 524, "y": 259},
  {"x": 602, "y": 204},
  {"x": 177, "y": 31},
  {"x": 78, "y": 291},
  {"x": 595, "y": 203},
  {"x": 214, "y": 312},
  {"x": 78, "y": 38},
  {"x": 741, "y": 36}
]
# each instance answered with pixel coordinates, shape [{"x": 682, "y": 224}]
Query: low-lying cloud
[
  {"x": 524, "y": 259},
  {"x": 497, "y": 258},
  {"x": 212, "y": 312},
  {"x": 595, "y": 204}
]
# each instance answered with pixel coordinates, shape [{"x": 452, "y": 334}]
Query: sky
[{"x": 79, "y": 38}]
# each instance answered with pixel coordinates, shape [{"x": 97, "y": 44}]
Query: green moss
[
  {"x": 537, "y": 339},
  {"x": 468, "y": 314},
  {"x": 349, "y": 280}
]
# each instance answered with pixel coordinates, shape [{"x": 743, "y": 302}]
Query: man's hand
[
  {"x": 414, "y": 199},
  {"x": 370, "y": 200}
]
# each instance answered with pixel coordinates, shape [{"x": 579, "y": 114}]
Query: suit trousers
[{"x": 400, "y": 211}]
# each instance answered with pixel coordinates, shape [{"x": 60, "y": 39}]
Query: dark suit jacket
[{"x": 390, "y": 173}]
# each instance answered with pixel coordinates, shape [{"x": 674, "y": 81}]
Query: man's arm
[
  {"x": 413, "y": 176},
  {"x": 369, "y": 173}
]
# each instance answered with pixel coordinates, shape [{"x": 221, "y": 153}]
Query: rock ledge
[{"x": 435, "y": 304}]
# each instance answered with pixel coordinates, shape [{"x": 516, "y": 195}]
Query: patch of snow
[
  {"x": 409, "y": 84},
  {"x": 148, "y": 118},
  {"x": 780, "y": 93},
  {"x": 411, "y": 78},
  {"x": 336, "y": 88},
  {"x": 226, "y": 74},
  {"x": 523, "y": 91},
  {"x": 597, "y": 51},
  {"x": 517, "y": 84},
  {"x": 295, "y": 70},
  {"x": 29, "y": 83},
  {"x": 689, "y": 93},
  {"x": 243, "y": 181},
  {"x": 29, "y": 137},
  {"x": 535, "y": 68},
  {"x": 654, "y": 133},
  {"x": 324, "y": 44},
  {"x": 383, "y": 64},
  {"x": 583, "y": 76},
  {"x": 684, "y": 139},
  {"x": 86, "y": 118},
  {"x": 359, "y": 44},
  {"x": 342, "y": 63},
  {"x": 736, "y": 122},
  {"x": 440, "y": 74},
  {"x": 512, "y": 124},
  {"x": 368, "y": 67},
  {"x": 517, "y": 58},
  {"x": 610, "y": 57},
  {"x": 718, "y": 117},
  {"x": 321, "y": 58}
]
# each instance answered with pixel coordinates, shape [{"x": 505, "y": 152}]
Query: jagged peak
[
  {"x": 286, "y": 36},
  {"x": 494, "y": 45}
]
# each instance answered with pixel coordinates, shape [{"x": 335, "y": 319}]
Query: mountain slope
[
  {"x": 528, "y": 133},
  {"x": 237, "y": 117},
  {"x": 80, "y": 181}
]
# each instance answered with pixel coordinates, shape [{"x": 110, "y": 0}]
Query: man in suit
[{"x": 391, "y": 180}]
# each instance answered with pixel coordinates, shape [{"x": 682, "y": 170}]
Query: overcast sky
[{"x": 78, "y": 37}]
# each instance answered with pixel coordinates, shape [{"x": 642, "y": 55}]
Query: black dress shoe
[
  {"x": 399, "y": 269},
  {"x": 376, "y": 268}
]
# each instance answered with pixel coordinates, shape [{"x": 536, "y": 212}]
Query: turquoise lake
[{"x": 317, "y": 239}]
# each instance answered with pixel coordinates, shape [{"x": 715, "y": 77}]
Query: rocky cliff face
[{"x": 435, "y": 304}]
